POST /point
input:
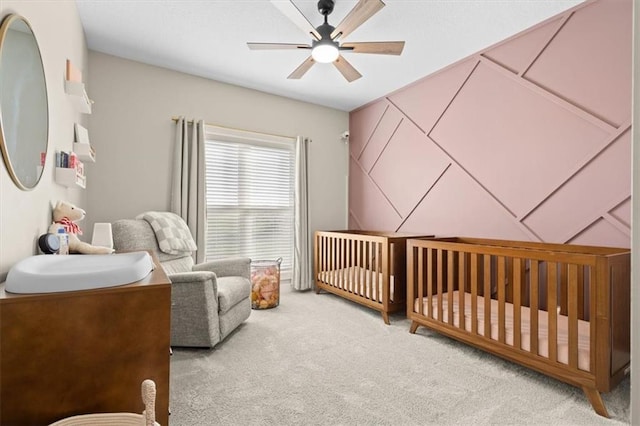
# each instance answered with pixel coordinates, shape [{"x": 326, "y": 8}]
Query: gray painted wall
[{"x": 133, "y": 134}]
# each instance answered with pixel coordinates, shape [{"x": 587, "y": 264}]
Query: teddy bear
[{"x": 65, "y": 215}]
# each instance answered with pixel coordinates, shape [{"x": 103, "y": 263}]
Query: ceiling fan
[{"x": 326, "y": 44}]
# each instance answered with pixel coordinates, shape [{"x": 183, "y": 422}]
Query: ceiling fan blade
[
  {"x": 272, "y": 46},
  {"x": 362, "y": 11},
  {"x": 377, "y": 47},
  {"x": 292, "y": 12},
  {"x": 302, "y": 69},
  {"x": 346, "y": 69}
]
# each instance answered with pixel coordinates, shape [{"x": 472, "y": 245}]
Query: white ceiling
[{"x": 208, "y": 39}]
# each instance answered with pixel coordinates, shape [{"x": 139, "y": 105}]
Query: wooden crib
[
  {"x": 496, "y": 295},
  {"x": 367, "y": 267}
]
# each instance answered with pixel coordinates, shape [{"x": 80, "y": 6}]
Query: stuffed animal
[{"x": 65, "y": 215}]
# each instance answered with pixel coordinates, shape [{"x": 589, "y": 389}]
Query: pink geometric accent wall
[{"x": 529, "y": 139}]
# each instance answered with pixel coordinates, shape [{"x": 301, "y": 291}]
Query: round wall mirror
[{"x": 24, "y": 113}]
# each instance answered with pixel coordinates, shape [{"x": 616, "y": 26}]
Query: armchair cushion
[
  {"x": 232, "y": 290},
  {"x": 176, "y": 266}
]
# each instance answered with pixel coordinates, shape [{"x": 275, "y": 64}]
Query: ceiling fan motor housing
[
  {"x": 325, "y": 7},
  {"x": 325, "y": 31}
]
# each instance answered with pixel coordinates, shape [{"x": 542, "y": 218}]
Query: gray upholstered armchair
[{"x": 208, "y": 300}]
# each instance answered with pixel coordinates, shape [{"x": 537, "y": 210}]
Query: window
[{"x": 249, "y": 195}]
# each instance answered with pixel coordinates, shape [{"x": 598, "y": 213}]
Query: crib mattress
[
  {"x": 358, "y": 280},
  {"x": 525, "y": 326}
]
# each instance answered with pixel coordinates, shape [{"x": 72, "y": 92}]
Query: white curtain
[
  {"x": 302, "y": 263},
  {"x": 188, "y": 182}
]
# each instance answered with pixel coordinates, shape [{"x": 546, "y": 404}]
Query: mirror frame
[{"x": 4, "y": 28}]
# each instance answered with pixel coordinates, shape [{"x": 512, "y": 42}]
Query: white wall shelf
[
  {"x": 78, "y": 96},
  {"x": 85, "y": 152},
  {"x": 69, "y": 177}
]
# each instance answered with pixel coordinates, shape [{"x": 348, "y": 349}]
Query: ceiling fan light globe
[{"x": 325, "y": 53}]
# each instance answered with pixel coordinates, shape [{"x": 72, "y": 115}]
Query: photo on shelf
[
  {"x": 81, "y": 134},
  {"x": 73, "y": 73}
]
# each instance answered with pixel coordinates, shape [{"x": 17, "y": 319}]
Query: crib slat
[
  {"x": 420, "y": 253},
  {"x": 325, "y": 262},
  {"x": 357, "y": 266},
  {"x": 361, "y": 262},
  {"x": 430, "y": 283},
  {"x": 339, "y": 266},
  {"x": 517, "y": 298},
  {"x": 373, "y": 287},
  {"x": 328, "y": 255},
  {"x": 343, "y": 266},
  {"x": 581, "y": 297},
  {"x": 368, "y": 274},
  {"x": 352, "y": 264},
  {"x": 439, "y": 282},
  {"x": 501, "y": 299},
  {"x": 383, "y": 272},
  {"x": 379, "y": 284},
  {"x": 333, "y": 262},
  {"x": 592, "y": 322},
  {"x": 533, "y": 308},
  {"x": 319, "y": 250},
  {"x": 387, "y": 260},
  {"x": 572, "y": 308},
  {"x": 319, "y": 253},
  {"x": 450, "y": 276},
  {"x": 563, "y": 302},
  {"x": 367, "y": 270},
  {"x": 462, "y": 278},
  {"x": 393, "y": 272},
  {"x": 354, "y": 272},
  {"x": 329, "y": 261},
  {"x": 336, "y": 262},
  {"x": 474, "y": 293},
  {"x": 509, "y": 283},
  {"x": 552, "y": 304},
  {"x": 368, "y": 284},
  {"x": 376, "y": 270},
  {"x": 343, "y": 269},
  {"x": 487, "y": 296},
  {"x": 525, "y": 284},
  {"x": 347, "y": 265}
]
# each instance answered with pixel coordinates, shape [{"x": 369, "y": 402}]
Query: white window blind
[{"x": 249, "y": 196}]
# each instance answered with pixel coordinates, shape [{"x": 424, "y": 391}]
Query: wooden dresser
[{"x": 64, "y": 354}]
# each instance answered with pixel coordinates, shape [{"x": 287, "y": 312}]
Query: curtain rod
[{"x": 239, "y": 130}]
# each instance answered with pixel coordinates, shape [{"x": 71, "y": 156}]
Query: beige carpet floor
[{"x": 321, "y": 360}]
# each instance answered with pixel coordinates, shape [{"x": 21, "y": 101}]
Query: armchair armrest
[
  {"x": 194, "y": 309},
  {"x": 230, "y": 267},
  {"x": 186, "y": 281}
]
